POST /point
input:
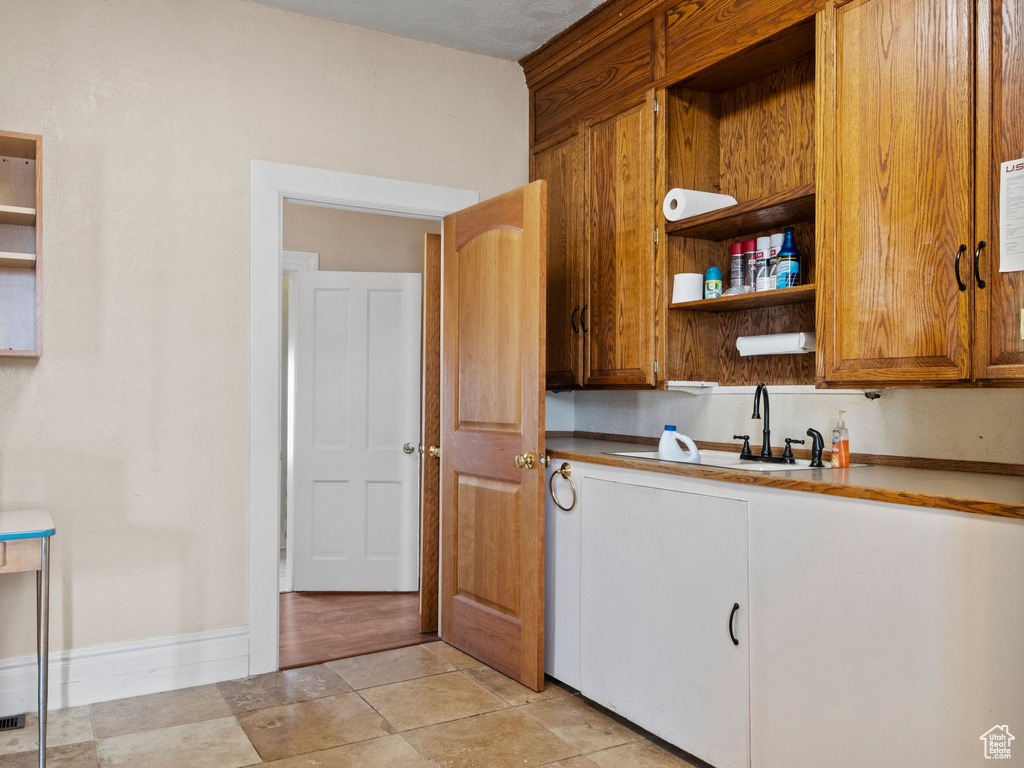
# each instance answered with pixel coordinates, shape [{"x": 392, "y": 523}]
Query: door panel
[
  {"x": 492, "y": 410},
  {"x": 658, "y": 626},
  {"x": 357, "y": 402},
  {"x": 561, "y": 166},
  {"x": 620, "y": 250},
  {"x": 898, "y": 185},
  {"x": 999, "y": 348},
  {"x": 430, "y": 464}
]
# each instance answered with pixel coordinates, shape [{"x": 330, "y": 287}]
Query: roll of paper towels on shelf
[
  {"x": 776, "y": 344},
  {"x": 683, "y": 203}
]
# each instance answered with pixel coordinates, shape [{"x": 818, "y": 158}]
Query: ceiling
[{"x": 509, "y": 29}]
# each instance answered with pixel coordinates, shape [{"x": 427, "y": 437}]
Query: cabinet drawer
[{"x": 20, "y": 555}]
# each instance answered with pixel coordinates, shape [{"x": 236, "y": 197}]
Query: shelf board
[
  {"x": 778, "y": 210},
  {"x": 21, "y": 260},
  {"x": 13, "y": 214},
  {"x": 800, "y": 294}
]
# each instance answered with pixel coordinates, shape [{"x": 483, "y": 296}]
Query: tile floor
[{"x": 426, "y": 706}]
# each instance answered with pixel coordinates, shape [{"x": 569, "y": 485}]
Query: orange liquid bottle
[{"x": 840, "y": 443}]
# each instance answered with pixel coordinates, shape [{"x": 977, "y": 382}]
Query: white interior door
[{"x": 357, "y": 404}]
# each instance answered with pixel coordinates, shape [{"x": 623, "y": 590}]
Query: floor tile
[
  {"x": 279, "y": 688},
  {"x": 513, "y": 692},
  {"x": 506, "y": 739},
  {"x": 211, "y": 744},
  {"x": 158, "y": 710},
  {"x": 639, "y": 754},
  {"x": 573, "y": 720},
  {"x": 390, "y": 751},
  {"x": 311, "y": 726},
  {"x": 574, "y": 762},
  {"x": 69, "y": 756},
  {"x": 431, "y": 700},
  {"x": 453, "y": 656},
  {"x": 389, "y": 667},
  {"x": 63, "y": 726}
]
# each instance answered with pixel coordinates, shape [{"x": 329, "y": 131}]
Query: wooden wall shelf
[
  {"x": 17, "y": 260},
  {"x": 13, "y": 214},
  {"x": 800, "y": 294},
  {"x": 789, "y": 207}
]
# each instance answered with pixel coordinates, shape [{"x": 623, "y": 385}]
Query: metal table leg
[{"x": 43, "y": 639}]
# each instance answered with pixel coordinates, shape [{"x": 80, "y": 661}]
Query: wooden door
[
  {"x": 619, "y": 314},
  {"x": 492, "y": 433},
  {"x": 561, "y": 166},
  {"x": 999, "y": 296},
  {"x": 658, "y": 626},
  {"x": 357, "y": 419},
  {"x": 430, "y": 436},
  {"x": 895, "y": 190}
]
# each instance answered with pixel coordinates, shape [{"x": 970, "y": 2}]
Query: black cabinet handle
[
  {"x": 977, "y": 257},
  {"x": 583, "y": 315},
  {"x": 956, "y": 267},
  {"x": 574, "y": 311},
  {"x": 735, "y": 607}
]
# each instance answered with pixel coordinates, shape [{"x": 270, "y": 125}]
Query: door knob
[
  {"x": 434, "y": 452},
  {"x": 526, "y": 460},
  {"x": 408, "y": 447}
]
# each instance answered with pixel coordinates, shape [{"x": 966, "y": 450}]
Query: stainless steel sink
[{"x": 728, "y": 460}]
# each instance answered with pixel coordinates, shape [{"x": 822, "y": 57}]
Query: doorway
[
  {"x": 271, "y": 186},
  {"x": 351, "y": 430}
]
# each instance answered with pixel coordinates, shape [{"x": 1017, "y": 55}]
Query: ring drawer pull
[{"x": 565, "y": 471}]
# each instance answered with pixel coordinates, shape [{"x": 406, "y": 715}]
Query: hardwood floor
[{"x": 323, "y": 626}]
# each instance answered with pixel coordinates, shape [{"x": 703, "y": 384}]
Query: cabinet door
[
  {"x": 999, "y": 296},
  {"x": 620, "y": 314},
  {"x": 562, "y": 167},
  {"x": 661, "y": 572},
  {"x": 896, "y": 190},
  {"x": 562, "y": 578}
]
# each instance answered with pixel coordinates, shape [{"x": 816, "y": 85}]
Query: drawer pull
[{"x": 732, "y": 615}]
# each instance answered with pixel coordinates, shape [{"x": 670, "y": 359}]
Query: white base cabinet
[
  {"x": 873, "y": 634},
  {"x": 664, "y": 615}
]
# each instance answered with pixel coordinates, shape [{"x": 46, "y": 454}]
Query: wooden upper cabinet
[
  {"x": 896, "y": 190},
  {"x": 998, "y": 346},
  {"x": 620, "y": 271},
  {"x": 561, "y": 166}
]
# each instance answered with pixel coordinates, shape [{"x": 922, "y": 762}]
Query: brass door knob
[
  {"x": 526, "y": 460},
  {"x": 434, "y": 451}
]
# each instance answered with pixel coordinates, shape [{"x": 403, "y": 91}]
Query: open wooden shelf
[
  {"x": 778, "y": 210},
  {"x": 13, "y": 214},
  {"x": 800, "y": 294},
  {"x": 10, "y": 259}
]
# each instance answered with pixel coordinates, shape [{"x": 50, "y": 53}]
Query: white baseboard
[{"x": 119, "y": 670}]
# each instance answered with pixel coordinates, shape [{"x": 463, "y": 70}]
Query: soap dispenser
[
  {"x": 670, "y": 450},
  {"x": 840, "y": 443}
]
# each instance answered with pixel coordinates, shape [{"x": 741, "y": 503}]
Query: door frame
[{"x": 270, "y": 185}]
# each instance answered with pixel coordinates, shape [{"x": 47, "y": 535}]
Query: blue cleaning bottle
[{"x": 787, "y": 272}]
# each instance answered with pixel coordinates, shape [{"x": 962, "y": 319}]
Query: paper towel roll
[
  {"x": 687, "y": 286},
  {"x": 683, "y": 203},
  {"x": 776, "y": 344}
]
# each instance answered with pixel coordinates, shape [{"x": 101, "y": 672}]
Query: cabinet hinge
[
  {"x": 655, "y": 367},
  {"x": 655, "y": 106},
  {"x": 655, "y": 235}
]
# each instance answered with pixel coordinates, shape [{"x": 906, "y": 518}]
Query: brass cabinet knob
[
  {"x": 526, "y": 460},
  {"x": 409, "y": 448},
  {"x": 434, "y": 451}
]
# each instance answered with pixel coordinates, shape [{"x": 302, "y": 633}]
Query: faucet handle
[
  {"x": 745, "y": 453},
  {"x": 788, "y": 453}
]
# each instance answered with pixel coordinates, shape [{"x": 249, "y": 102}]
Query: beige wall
[
  {"x": 356, "y": 241},
  {"x": 133, "y": 425}
]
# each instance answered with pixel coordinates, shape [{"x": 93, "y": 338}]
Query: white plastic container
[{"x": 670, "y": 450}]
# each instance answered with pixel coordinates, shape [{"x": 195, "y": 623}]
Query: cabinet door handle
[
  {"x": 583, "y": 314},
  {"x": 956, "y": 267},
  {"x": 732, "y": 615},
  {"x": 574, "y": 311},
  {"x": 977, "y": 258}
]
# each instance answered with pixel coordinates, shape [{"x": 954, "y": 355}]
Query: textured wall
[
  {"x": 133, "y": 425},
  {"x": 976, "y": 424},
  {"x": 356, "y": 241}
]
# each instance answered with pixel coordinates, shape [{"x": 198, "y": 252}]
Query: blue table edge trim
[{"x": 43, "y": 534}]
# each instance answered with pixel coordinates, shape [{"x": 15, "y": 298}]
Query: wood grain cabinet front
[{"x": 910, "y": 142}]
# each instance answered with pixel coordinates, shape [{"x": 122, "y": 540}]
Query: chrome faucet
[{"x": 766, "y": 444}]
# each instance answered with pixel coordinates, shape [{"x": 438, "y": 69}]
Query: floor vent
[{"x": 12, "y": 723}]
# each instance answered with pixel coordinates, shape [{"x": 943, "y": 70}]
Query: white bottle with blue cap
[{"x": 670, "y": 450}]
